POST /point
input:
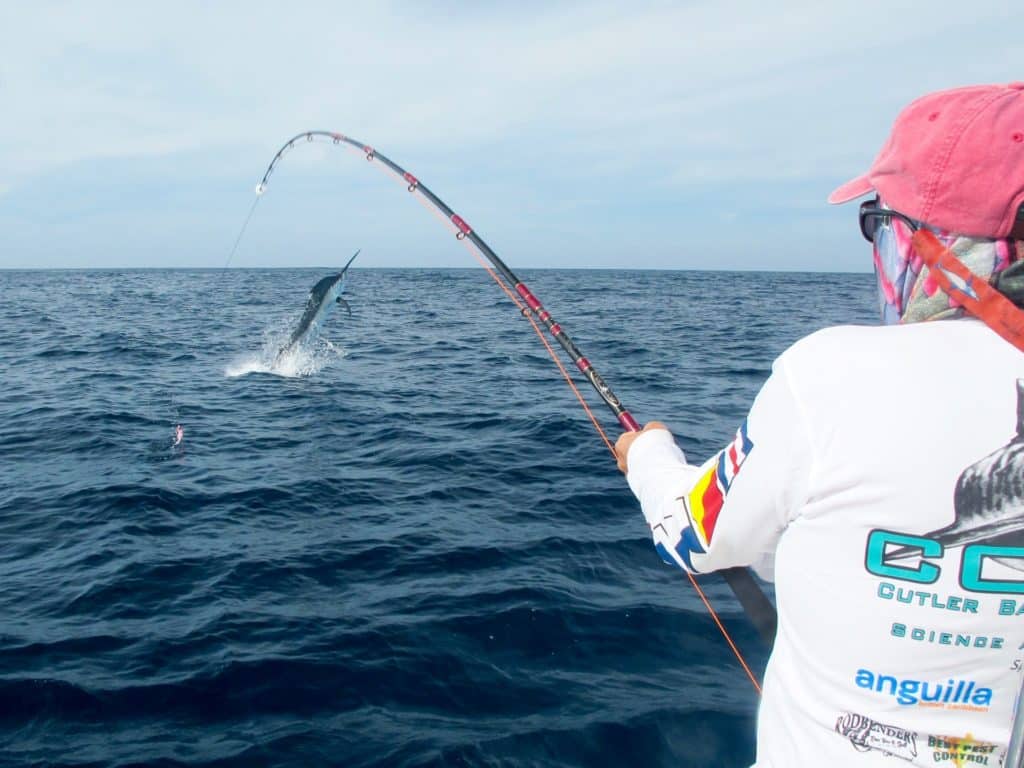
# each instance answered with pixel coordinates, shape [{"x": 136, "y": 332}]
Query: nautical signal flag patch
[{"x": 705, "y": 501}]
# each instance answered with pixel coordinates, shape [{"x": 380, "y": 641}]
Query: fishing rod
[
  {"x": 1015, "y": 749},
  {"x": 749, "y": 594}
]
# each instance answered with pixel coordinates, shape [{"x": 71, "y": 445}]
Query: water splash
[{"x": 302, "y": 360}]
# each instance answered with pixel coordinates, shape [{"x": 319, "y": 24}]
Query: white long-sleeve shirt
[{"x": 897, "y": 638}]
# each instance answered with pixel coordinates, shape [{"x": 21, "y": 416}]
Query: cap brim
[{"x": 854, "y": 188}]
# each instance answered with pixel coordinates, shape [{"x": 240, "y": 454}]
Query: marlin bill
[{"x": 322, "y": 298}]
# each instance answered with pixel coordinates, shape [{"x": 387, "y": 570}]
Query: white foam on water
[{"x": 305, "y": 359}]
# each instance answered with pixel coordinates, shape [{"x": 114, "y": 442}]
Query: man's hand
[{"x": 626, "y": 440}]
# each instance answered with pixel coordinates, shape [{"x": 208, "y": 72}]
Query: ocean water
[{"x": 405, "y": 546}]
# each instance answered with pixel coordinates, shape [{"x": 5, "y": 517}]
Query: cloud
[
  {"x": 86, "y": 79},
  {"x": 573, "y": 105}
]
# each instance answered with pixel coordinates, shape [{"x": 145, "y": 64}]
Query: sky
[{"x": 683, "y": 135}]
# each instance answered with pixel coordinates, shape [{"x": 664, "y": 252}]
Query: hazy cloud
[{"x": 574, "y": 106}]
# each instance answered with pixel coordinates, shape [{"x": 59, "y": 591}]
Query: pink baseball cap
[{"x": 954, "y": 159}]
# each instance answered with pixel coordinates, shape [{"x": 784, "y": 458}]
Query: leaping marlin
[{"x": 325, "y": 294}]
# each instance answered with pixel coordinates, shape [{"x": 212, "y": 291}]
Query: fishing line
[
  {"x": 600, "y": 430},
  {"x": 525, "y": 311},
  {"x": 754, "y": 602},
  {"x": 252, "y": 210}
]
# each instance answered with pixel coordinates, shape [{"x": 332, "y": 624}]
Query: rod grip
[{"x": 628, "y": 423}]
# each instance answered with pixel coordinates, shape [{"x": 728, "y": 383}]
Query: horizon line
[{"x": 452, "y": 269}]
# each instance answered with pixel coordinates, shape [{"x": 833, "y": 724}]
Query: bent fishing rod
[{"x": 750, "y": 596}]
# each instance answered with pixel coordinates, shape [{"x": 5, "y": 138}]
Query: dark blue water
[{"x": 420, "y": 554}]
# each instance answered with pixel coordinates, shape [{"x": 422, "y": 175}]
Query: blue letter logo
[{"x": 924, "y": 573}]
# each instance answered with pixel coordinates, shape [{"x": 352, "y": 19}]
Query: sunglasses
[{"x": 872, "y": 216}]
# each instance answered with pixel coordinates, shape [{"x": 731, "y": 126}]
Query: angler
[{"x": 882, "y": 452}]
